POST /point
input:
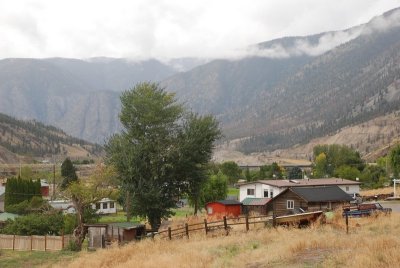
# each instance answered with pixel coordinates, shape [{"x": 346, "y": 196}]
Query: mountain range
[{"x": 284, "y": 93}]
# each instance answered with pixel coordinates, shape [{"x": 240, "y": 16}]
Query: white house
[
  {"x": 64, "y": 205},
  {"x": 105, "y": 206},
  {"x": 271, "y": 188}
]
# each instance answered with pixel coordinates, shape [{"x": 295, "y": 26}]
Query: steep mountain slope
[
  {"x": 308, "y": 96},
  {"x": 78, "y": 96},
  {"x": 33, "y": 139}
]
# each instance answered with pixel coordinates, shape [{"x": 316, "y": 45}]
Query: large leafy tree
[
  {"x": 232, "y": 171},
  {"x": 85, "y": 193},
  {"x": 161, "y": 153}
]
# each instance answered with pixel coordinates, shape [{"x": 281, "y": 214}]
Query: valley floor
[{"x": 371, "y": 242}]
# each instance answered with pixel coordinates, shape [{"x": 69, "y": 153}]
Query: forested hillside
[{"x": 32, "y": 138}]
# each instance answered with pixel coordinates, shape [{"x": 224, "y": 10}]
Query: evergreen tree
[{"x": 68, "y": 172}]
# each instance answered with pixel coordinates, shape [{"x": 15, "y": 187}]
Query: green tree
[
  {"x": 83, "y": 194},
  {"x": 321, "y": 165},
  {"x": 153, "y": 155},
  {"x": 295, "y": 173},
  {"x": 232, "y": 171},
  {"x": 347, "y": 172},
  {"x": 394, "y": 159},
  {"x": 18, "y": 191},
  {"x": 36, "y": 224},
  {"x": 216, "y": 188},
  {"x": 68, "y": 173},
  {"x": 194, "y": 152}
]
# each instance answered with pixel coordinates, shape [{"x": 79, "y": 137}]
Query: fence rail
[
  {"x": 227, "y": 223},
  {"x": 34, "y": 242}
]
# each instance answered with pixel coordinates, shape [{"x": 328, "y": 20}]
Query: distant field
[{"x": 371, "y": 242}]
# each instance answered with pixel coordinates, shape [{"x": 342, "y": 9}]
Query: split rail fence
[
  {"x": 34, "y": 242},
  {"x": 225, "y": 224}
]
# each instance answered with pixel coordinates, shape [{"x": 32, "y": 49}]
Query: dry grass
[
  {"x": 371, "y": 242},
  {"x": 372, "y": 192}
]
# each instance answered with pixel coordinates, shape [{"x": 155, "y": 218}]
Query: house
[
  {"x": 255, "y": 205},
  {"x": 224, "y": 208},
  {"x": 271, "y": 188},
  {"x": 301, "y": 199},
  {"x": 44, "y": 189},
  {"x": 105, "y": 206},
  {"x": 126, "y": 231},
  {"x": 64, "y": 205}
]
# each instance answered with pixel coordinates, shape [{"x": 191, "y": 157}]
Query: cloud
[{"x": 143, "y": 29}]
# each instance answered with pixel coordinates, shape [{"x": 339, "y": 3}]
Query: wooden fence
[
  {"x": 226, "y": 224},
  {"x": 34, "y": 242}
]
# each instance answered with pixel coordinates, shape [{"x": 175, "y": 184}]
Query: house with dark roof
[
  {"x": 301, "y": 199},
  {"x": 271, "y": 188},
  {"x": 224, "y": 208}
]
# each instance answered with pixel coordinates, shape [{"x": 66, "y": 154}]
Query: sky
[{"x": 142, "y": 29}]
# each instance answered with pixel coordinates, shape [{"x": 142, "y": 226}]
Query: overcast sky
[{"x": 167, "y": 29}]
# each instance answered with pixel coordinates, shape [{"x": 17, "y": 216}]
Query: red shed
[
  {"x": 224, "y": 208},
  {"x": 44, "y": 188}
]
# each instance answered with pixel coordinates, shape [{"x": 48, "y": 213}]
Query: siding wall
[{"x": 280, "y": 203}]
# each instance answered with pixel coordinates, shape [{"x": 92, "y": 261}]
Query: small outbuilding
[
  {"x": 255, "y": 205},
  {"x": 222, "y": 208}
]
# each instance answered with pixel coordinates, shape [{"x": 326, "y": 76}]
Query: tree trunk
[
  {"x": 155, "y": 223},
  {"x": 196, "y": 205},
  {"x": 80, "y": 231}
]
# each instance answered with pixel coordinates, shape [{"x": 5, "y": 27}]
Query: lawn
[
  {"x": 232, "y": 191},
  {"x": 120, "y": 216},
  {"x": 9, "y": 258}
]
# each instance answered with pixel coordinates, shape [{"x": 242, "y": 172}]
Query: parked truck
[{"x": 365, "y": 209}]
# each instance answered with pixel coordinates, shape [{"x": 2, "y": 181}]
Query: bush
[{"x": 36, "y": 224}]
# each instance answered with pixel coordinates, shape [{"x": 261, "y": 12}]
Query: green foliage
[
  {"x": 394, "y": 158},
  {"x": 161, "y": 153},
  {"x": 36, "y": 224},
  {"x": 70, "y": 223},
  {"x": 19, "y": 190},
  {"x": 347, "y": 172},
  {"x": 295, "y": 173},
  {"x": 216, "y": 188},
  {"x": 374, "y": 177},
  {"x": 25, "y": 207},
  {"x": 232, "y": 171},
  {"x": 68, "y": 172},
  {"x": 330, "y": 157}
]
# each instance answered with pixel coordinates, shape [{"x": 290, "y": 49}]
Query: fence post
[
  {"x": 225, "y": 223},
  {"x": 169, "y": 233},
  {"x": 187, "y": 230},
  {"x": 62, "y": 239},
  {"x": 13, "y": 242},
  {"x": 31, "y": 241},
  {"x": 205, "y": 226},
  {"x": 347, "y": 223},
  {"x": 247, "y": 222},
  {"x": 45, "y": 242}
]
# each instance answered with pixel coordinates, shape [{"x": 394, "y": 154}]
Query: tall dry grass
[
  {"x": 371, "y": 242},
  {"x": 371, "y": 192}
]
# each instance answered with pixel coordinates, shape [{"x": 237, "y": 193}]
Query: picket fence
[{"x": 34, "y": 242}]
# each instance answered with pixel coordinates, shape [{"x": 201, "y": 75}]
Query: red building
[
  {"x": 44, "y": 188},
  {"x": 229, "y": 208}
]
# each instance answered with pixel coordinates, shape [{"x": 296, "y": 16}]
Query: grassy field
[
  {"x": 371, "y": 242},
  {"x": 26, "y": 259}
]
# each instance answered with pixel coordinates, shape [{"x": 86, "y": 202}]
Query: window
[
  {"x": 250, "y": 191},
  {"x": 209, "y": 210},
  {"x": 290, "y": 204},
  {"x": 265, "y": 193},
  {"x": 97, "y": 206},
  {"x": 271, "y": 194},
  {"x": 105, "y": 205},
  {"x": 347, "y": 188},
  {"x": 112, "y": 205}
]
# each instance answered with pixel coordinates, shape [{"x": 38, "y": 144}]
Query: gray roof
[
  {"x": 227, "y": 202},
  {"x": 321, "y": 194},
  {"x": 306, "y": 182}
]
